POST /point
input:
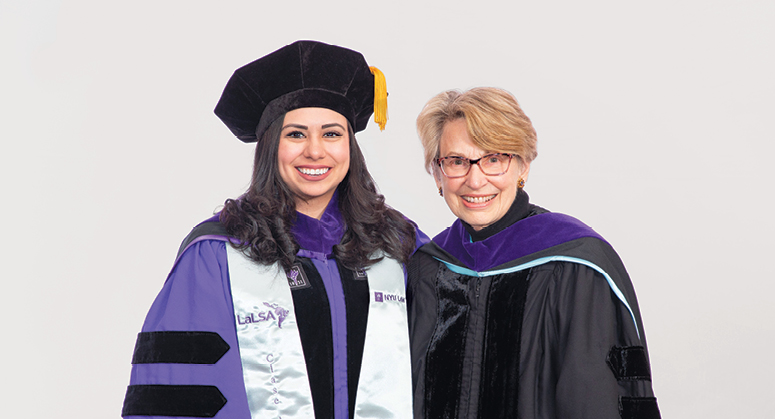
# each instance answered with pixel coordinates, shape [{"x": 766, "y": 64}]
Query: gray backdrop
[{"x": 654, "y": 122}]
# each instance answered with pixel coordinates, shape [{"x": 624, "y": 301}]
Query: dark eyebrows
[
  {"x": 332, "y": 125},
  {"x": 304, "y": 127},
  {"x": 299, "y": 126}
]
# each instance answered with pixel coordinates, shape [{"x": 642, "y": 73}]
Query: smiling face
[
  {"x": 476, "y": 198},
  {"x": 313, "y": 156}
]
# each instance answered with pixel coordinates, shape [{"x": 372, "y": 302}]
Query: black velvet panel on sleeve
[
  {"x": 179, "y": 347},
  {"x": 173, "y": 400},
  {"x": 629, "y": 363},
  {"x": 313, "y": 316},
  {"x": 639, "y": 408}
]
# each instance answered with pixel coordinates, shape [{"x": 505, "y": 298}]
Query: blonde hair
[{"x": 494, "y": 119}]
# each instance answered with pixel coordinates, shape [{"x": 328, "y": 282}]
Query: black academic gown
[{"x": 533, "y": 317}]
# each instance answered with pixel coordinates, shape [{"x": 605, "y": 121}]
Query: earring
[
  {"x": 520, "y": 183},
  {"x": 441, "y": 193}
]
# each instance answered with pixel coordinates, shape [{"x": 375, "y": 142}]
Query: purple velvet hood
[{"x": 527, "y": 236}]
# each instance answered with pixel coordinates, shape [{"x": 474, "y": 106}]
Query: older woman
[
  {"x": 515, "y": 311},
  {"x": 289, "y": 303}
]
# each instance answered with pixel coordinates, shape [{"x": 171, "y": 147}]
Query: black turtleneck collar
[{"x": 520, "y": 209}]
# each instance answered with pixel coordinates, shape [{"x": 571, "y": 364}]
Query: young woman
[{"x": 290, "y": 302}]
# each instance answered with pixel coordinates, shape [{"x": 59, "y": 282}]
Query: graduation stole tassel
[{"x": 380, "y": 98}]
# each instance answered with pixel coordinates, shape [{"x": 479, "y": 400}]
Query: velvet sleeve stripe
[
  {"x": 173, "y": 400},
  {"x": 638, "y": 408},
  {"x": 174, "y": 347},
  {"x": 629, "y": 363}
]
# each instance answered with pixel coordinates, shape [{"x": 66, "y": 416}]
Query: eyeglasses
[{"x": 494, "y": 164}]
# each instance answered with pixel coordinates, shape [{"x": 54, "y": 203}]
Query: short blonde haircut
[{"x": 494, "y": 119}]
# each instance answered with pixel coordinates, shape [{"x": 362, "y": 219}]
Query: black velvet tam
[{"x": 300, "y": 75}]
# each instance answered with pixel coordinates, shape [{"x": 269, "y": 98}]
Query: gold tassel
[{"x": 380, "y": 98}]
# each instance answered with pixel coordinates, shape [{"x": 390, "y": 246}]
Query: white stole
[{"x": 273, "y": 364}]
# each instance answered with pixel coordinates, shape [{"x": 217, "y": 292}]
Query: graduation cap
[{"x": 304, "y": 74}]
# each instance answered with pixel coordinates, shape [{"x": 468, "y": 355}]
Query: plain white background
[{"x": 654, "y": 122}]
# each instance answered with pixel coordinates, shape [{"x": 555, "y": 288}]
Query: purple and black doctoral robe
[{"x": 187, "y": 359}]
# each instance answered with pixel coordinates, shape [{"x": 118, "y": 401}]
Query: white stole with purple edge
[{"x": 273, "y": 365}]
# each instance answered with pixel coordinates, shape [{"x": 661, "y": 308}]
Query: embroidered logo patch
[
  {"x": 297, "y": 279},
  {"x": 360, "y": 274},
  {"x": 275, "y": 313},
  {"x": 381, "y": 297}
]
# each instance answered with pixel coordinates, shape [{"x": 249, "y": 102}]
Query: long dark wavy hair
[{"x": 261, "y": 219}]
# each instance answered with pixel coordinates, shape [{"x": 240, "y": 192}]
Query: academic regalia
[
  {"x": 228, "y": 337},
  {"x": 532, "y": 317},
  {"x": 189, "y": 337}
]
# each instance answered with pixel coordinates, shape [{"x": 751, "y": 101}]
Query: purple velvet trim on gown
[
  {"x": 522, "y": 238},
  {"x": 320, "y": 235}
]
